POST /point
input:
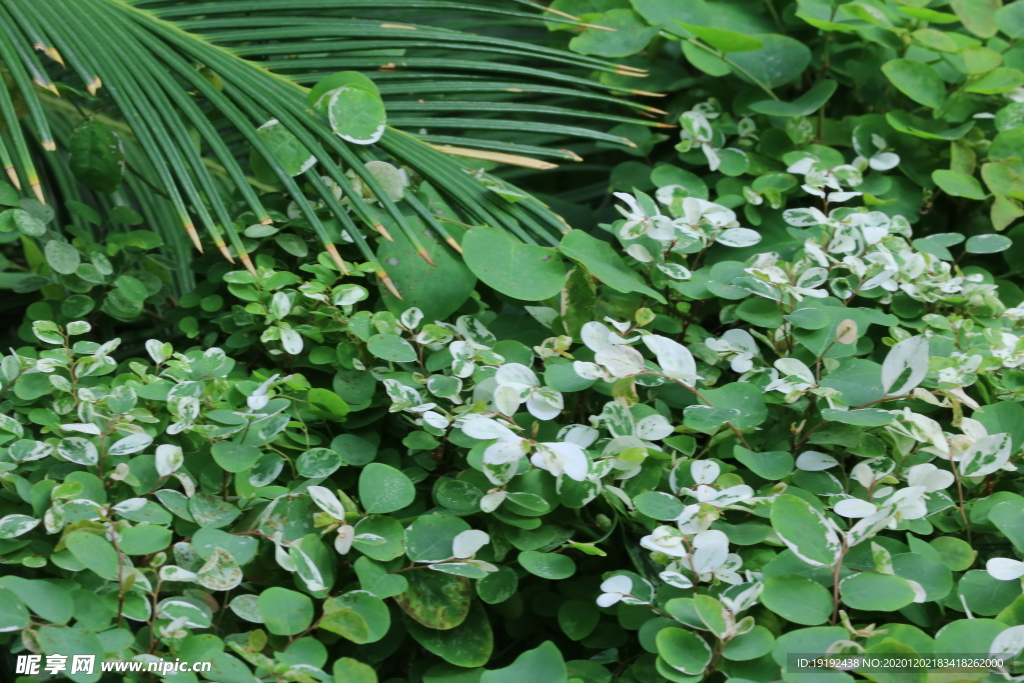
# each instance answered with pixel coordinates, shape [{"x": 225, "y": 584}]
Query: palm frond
[{"x": 195, "y": 81}]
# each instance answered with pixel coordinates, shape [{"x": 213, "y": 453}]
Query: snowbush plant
[
  {"x": 770, "y": 407},
  {"x": 660, "y": 494}
]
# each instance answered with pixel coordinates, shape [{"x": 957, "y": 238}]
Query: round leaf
[
  {"x": 521, "y": 271},
  {"x": 384, "y": 489}
]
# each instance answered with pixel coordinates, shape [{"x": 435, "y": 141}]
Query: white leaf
[
  {"x": 484, "y": 428},
  {"x": 1004, "y": 569},
  {"x": 654, "y": 427},
  {"x": 78, "y": 450},
  {"x": 327, "y": 501},
  {"x": 130, "y": 505},
  {"x": 343, "y": 541},
  {"x": 795, "y": 368},
  {"x": 1009, "y": 642},
  {"x": 16, "y": 525},
  {"x": 909, "y": 354},
  {"x": 544, "y": 404},
  {"x": 291, "y": 341},
  {"x": 280, "y": 305},
  {"x": 467, "y": 543},
  {"x": 491, "y": 501},
  {"x": 595, "y": 335},
  {"x": 986, "y": 455},
  {"x": 813, "y": 461},
  {"x": 82, "y": 428},
  {"x": 705, "y": 471},
  {"x": 516, "y": 373},
  {"x": 507, "y": 399},
  {"x": 739, "y": 237},
  {"x": 618, "y": 584},
  {"x": 411, "y": 318},
  {"x": 133, "y": 443},
  {"x": 157, "y": 350},
  {"x": 168, "y": 459},
  {"x": 675, "y": 360},
  {"x": 854, "y": 508},
  {"x": 620, "y": 360},
  {"x": 172, "y": 573}
]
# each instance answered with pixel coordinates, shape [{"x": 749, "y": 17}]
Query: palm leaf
[{"x": 193, "y": 83}]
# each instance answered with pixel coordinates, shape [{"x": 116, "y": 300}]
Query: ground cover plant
[{"x": 744, "y": 385}]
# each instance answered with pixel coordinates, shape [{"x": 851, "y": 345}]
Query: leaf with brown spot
[
  {"x": 435, "y": 599},
  {"x": 221, "y": 572}
]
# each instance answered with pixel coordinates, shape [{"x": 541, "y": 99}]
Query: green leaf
[
  {"x": 9, "y": 196},
  {"x": 62, "y": 257},
  {"x": 916, "y": 80},
  {"x": 988, "y": 244},
  {"x": 438, "y": 290},
  {"x": 658, "y": 505},
  {"x": 544, "y": 663},
  {"x": 391, "y": 348},
  {"x": 779, "y": 61},
  {"x": 985, "y": 594},
  {"x": 630, "y": 35},
  {"x": 435, "y": 599},
  {"x": 978, "y": 16},
  {"x": 241, "y": 548},
  {"x": 683, "y": 650},
  {"x": 470, "y": 644},
  {"x": 797, "y": 599},
  {"x": 753, "y": 644},
  {"x": 373, "y": 616},
  {"x": 354, "y": 450},
  {"x": 876, "y": 592},
  {"x": 27, "y": 223},
  {"x": 601, "y": 260},
  {"x": 235, "y": 457},
  {"x": 722, "y": 40},
  {"x": 356, "y": 114},
  {"x": 94, "y": 552},
  {"x": 498, "y": 586},
  {"x": 348, "y": 670},
  {"x": 1010, "y": 20},
  {"x": 738, "y": 404},
  {"x": 957, "y": 554},
  {"x": 804, "y": 531},
  {"x": 547, "y": 565},
  {"x": 292, "y": 155},
  {"x": 805, "y": 105},
  {"x": 50, "y": 600},
  {"x": 867, "y": 417},
  {"x": 328, "y": 402},
  {"x": 384, "y": 489},
  {"x": 430, "y": 537},
  {"x": 521, "y": 271},
  {"x": 316, "y": 96},
  {"x": 285, "y": 612},
  {"x": 932, "y": 575},
  {"x": 14, "y": 615},
  {"x": 771, "y": 465},
  {"x": 144, "y": 540},
  {"x": 97, "y": 156},
  {"x": 996, "y": 81},
  {"x": 578, "y": 618},
  {"x": 317, "y": 463},
  {"x": 958, "y": 184}
]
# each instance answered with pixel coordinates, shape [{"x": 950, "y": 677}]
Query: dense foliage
[{"x": 763, "y": 400}]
